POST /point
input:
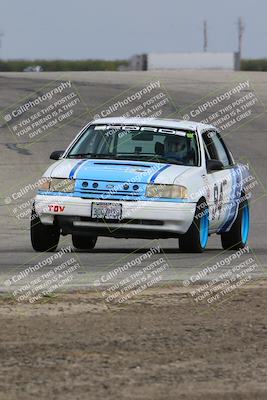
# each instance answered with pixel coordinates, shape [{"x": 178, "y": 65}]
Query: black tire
[
  {"x": 43, "y": 237},
  {"x": 233, "y": 240},
  {"x": 83, "y": 242},
  {"x": 190, "y": 242}
]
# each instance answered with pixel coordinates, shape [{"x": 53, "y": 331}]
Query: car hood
[{"x": 116, "y": 170}]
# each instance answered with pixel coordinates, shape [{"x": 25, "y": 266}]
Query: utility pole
[
  {"x": 1, "y": 35},
  {"x": 241, "y": 29},
  {"x": 205, "y": 35}
]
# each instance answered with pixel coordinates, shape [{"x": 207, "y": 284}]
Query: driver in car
[{"x": 175, "y": 147}]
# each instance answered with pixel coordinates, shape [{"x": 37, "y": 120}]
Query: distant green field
[
  {"x": 259, "y": 64},
  {"x": 63, "y": 65},
  {"x": 101, "y": 65}
]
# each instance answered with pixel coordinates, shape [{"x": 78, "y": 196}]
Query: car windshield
[{"x": 137, "y": 143}]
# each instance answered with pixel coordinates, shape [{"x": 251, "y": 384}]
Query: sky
[{"x": 117, "y": 29}]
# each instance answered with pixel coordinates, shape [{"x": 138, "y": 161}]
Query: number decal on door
[{"x": 218, "y": 199}]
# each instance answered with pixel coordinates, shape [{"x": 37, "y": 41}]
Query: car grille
[{"x": 103, "y": 190}]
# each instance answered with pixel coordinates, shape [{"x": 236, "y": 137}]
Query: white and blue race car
[{"x": 143, "y": 178}]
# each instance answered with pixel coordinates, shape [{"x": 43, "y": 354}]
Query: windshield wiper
[
  {"x": 79, "y": 155},
  {"x": 168, "y": 160},
  {"x": 155, "y": 159},
  {"x": 140, "y": 157},
  {"x": 92, "y": 155}
]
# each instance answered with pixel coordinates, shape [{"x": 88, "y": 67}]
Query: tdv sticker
[{"x": 56, "y": 208}]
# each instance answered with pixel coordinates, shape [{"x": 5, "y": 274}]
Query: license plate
[{"x": 106, "y": 210}]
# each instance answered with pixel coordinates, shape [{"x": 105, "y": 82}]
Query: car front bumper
[{"x": 139, "y": 218}]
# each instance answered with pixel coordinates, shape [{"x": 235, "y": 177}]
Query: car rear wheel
[
  {"x": 237, "y": 237},
  {"x": 196, "y": 238},
  {"x": 43, "y": 237},
  {"x": 83, "y": 242}
]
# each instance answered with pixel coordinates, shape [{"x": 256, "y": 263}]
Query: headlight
[
  {"x": 58, "y": 185},
  {"x": 62, "y": 185},
  {"x": 167, "y": 191},
  {"x": 44, "y": 184}
]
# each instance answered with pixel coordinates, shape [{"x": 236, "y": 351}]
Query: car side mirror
[
  {"x": 214, "y": 165},
  {"x": 55, "y": 155}
]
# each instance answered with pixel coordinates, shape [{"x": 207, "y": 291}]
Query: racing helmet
[{"x": 174, "y": 144}]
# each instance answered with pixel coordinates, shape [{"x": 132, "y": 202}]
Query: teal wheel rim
[
  {"x": 245, "y": 224},
  {"x": 204, "y": 229}
]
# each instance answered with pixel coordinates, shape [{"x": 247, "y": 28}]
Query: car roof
[{"x": 161, "y": 122}]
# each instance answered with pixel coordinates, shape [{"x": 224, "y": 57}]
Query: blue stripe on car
[
  {"x": 108, "y": 170},
  {"x": 226, "y": 219},
  {"x": 234, "y": 200},
  {"x": 84, "y": 170},
  {"x": 74, "y": 169},
  {"x": 117, "y": 197},
  {"x": 152, "y": 180}
]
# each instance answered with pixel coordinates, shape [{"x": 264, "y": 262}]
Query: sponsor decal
[{"x": 56, "y": 208}]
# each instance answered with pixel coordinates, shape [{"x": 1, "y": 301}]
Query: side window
[
  {"x": 222, "y": 155},
  {"x": 210, "y": 149},
  {"x": 207, "y": 154},
  {"x": 216, "y": 148}
]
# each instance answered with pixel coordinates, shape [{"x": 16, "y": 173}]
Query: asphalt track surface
[{"x": 23, "y": 161}]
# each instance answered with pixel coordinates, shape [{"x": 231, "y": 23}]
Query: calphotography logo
[
  {"x": 228, "y": 110},
  {"x": 48, "y": 109},
  {"x": 133, "y": 277},
  {"x": 150, "y": 101},
  {"x": 221, "y": 278},
  {"x": 47, "y": 276}
]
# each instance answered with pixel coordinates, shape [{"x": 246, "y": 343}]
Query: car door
[{"x": 220, "y": 182}]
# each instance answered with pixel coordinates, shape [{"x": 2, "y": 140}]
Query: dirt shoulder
[{"x": 157, "y": 346}]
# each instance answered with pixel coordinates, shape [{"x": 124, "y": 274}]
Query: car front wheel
[
  {"x": 237, "y": 237},
  {"x": 196, "y": 238},
  {"x": 43, "y": 237}
]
